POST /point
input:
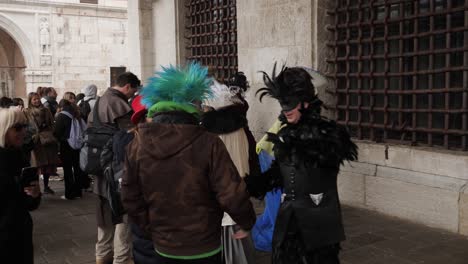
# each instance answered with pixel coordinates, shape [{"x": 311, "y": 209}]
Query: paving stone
[
  {"x": 361, "y": 240},
  {"x": 65, "y": 233}
]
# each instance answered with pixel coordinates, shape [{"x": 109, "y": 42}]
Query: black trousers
[
  {"x": 85, "y": 181},
  {"x": 71, "y": 170},
  {"x": 216, "y": 259}
]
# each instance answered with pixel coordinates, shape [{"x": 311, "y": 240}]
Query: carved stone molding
[
  {"x": 46, "y": 60},
  {"x": 38, "y": 76}
]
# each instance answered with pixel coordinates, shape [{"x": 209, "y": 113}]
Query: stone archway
[
  {"x": 22, "y": 40},
  {"x": 12, "y": 65},
  {"x": 17, "y": 59}
]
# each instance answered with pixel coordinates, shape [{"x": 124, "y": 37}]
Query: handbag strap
[{"x": 67, "y": 114}]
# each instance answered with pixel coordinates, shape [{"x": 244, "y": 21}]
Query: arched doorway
[{"x": 12, "y": 65}]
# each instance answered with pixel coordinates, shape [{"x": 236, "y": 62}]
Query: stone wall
[
  {"x": 420, "y": 184},
  {"x": 270, "y": 31},
  {"x": 86, "y": 44},
  {"x": 67, "y": 45}
]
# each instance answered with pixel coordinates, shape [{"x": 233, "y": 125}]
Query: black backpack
[
  {"x": 95, "y": 138},
  {"x": 85, "y": 109},
  {"x": 112, "y": 161}
]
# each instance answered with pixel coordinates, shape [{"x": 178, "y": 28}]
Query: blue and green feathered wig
[{"x": 177, "y": 88}]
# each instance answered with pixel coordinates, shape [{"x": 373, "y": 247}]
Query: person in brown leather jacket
[
  {"x": 179, "y": 179},
  {"x": 113, "y": 109}
]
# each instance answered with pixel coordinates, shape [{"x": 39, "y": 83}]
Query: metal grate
[
  {"x": 401, "y": 70},
  {"x": 212, "y": 35}
]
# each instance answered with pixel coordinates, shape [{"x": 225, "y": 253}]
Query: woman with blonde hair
[
  {"x": 70, "y": 97},
  {"x": 18, "y": 196},
  {"x": 45, "y": 153}
]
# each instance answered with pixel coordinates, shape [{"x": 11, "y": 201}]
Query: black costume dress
[{"x": 308, "y": 155}]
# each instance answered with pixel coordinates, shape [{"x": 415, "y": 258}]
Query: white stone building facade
[
  {"x": 422, "y": 184},
  {"x": 65, "y": 44}
]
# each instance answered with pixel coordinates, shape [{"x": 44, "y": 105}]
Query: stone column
[
  {"x": 156, "y": 31},
  {"x": 140, "y": 38},
  {"x": 168, "y": 32},
  {"x": 4, "y": 82}
]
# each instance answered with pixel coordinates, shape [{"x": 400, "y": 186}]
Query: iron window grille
[
  {"x": 401, "y": 70},
  {"x": 211, "y": 27}
]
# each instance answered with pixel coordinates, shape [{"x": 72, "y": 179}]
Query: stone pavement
[{"x": 65, "y": 233}]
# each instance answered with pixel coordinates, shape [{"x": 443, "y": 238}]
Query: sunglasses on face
[{"x": 19, "y": 126}]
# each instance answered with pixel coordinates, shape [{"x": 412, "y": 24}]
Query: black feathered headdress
[{"x": 291, "y": 87}]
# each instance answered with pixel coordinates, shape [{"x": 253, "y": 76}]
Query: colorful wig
[{"x": 177, "y": 88}]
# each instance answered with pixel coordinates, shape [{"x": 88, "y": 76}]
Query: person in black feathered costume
[{"x": 308, "y": 150}]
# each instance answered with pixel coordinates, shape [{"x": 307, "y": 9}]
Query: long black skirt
[{"x": 293, "y": 251}]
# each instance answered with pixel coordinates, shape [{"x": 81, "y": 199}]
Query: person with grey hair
[
  {"x": 86, "y": 105},
  {"x": 18, "y": 195}
]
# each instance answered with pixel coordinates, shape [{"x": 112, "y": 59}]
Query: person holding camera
[{"x": 18, "y": 194}]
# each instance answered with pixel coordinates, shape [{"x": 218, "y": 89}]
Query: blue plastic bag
[{"x": 262, "y": 232}]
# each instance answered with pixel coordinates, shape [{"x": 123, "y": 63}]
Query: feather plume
[
  {"x": 290, "y": 83},
  {"x": 184, "y": 85}
]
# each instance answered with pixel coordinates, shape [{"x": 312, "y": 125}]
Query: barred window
[
  {"x": 212, "y": 35},
  {"x": 401, "y": 70}
]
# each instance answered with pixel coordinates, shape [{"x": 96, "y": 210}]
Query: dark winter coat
[
  {"x": 177, "y": 182},
  {"x": 15, "y": 221},
  {"x": 51, "y": 104},
  {"x": 62, "y": 129}
]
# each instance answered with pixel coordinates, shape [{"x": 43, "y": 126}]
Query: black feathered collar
[
  {"x": 225, "y": 120},
  {"x": 315, "y": 140}
]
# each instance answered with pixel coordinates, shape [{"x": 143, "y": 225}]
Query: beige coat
[{"x": 42, "y": 120}]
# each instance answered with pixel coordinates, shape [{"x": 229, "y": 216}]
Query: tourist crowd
[{"x": 173, "y": 166}]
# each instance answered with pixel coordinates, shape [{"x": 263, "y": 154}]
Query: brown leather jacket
[
  {"x": 178, "y": 180},
  {"x": 114, "y": 110}
]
